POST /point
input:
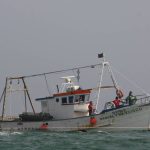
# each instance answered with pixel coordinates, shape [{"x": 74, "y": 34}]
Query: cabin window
[
  {"x": 77, "y": 99},
  {"x": 64, "y": 100},
  {"x": 81, "y": 98},
  {"x": 70, "y": 99},
  {"x": 57, "y": 100}
]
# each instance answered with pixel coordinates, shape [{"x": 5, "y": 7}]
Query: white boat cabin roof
[
  {"x": 66, "y": 94},
  {"x": 68, "y": 90}
]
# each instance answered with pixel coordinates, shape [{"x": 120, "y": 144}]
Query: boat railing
[
  {"x": 143, "y": 100},
  {"x": 139, "y": 101}
]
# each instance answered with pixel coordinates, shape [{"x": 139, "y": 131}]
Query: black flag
[{"x": 100, "y": 55}]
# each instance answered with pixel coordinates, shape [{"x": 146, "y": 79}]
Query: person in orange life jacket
[
  {"x": 90, "y": 107},
  {"x": 117, "y": 102}
]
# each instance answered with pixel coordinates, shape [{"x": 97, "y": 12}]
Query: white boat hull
[{"x": 136, "y": 117}]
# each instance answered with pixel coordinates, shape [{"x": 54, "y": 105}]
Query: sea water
[{"x": 90, "y": 140}]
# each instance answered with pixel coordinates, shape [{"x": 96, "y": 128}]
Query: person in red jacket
[
  {"x": 90, "y": 107},
  {"x": 117, "y": 102}
]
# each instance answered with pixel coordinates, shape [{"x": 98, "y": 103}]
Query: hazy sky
[{"x": 44, "y": 35}]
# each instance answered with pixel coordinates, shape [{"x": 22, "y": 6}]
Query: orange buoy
[
  {"x": 93, "y": 121},
  {"x": 44, "y": 126}
]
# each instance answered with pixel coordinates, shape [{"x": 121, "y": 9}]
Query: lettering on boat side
[
  {"x": 107, "y": 117},
  {"x": 121, "y": 113},
  {"x": 19, "y": 123}
]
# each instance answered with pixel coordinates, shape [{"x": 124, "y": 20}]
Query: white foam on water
[
  {"x": 7, "y": 133},
  {"x": 4, "y": 133},
  {"x": 103, "y": 132},
  {"x": 16, "y": 133}
]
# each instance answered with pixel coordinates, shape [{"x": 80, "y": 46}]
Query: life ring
[{"x": 119, "y": 93}]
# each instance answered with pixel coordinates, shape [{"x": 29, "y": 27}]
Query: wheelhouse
[{"x": 71, "y": 102}]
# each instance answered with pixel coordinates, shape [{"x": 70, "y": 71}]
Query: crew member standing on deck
[
  {"x": 90, "y": 107},
  {"x": 117, "y": 102},
  {"x": 131, "y": 100}
]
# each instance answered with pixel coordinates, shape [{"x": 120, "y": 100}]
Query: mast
[
  {"x": 27, "y": 92},
  {"x": 100, "y": 84},
  {"x": 115, "y": 85},
  {"x": 4, "y": 101},
  {"x": 25, "y": 101}
]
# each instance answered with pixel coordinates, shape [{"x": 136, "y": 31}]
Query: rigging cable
[
  {"x": 131, "y": 82},
  {"x": 55, "y": 72},
  {"x": 48, "y": 89}
]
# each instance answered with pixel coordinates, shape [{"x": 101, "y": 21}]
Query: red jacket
[
  {"x": 116, "y": 102},
  {"x": 90, "y": 107}
]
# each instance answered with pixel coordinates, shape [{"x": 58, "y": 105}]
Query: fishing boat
[{"x": 71, "y": 107}]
